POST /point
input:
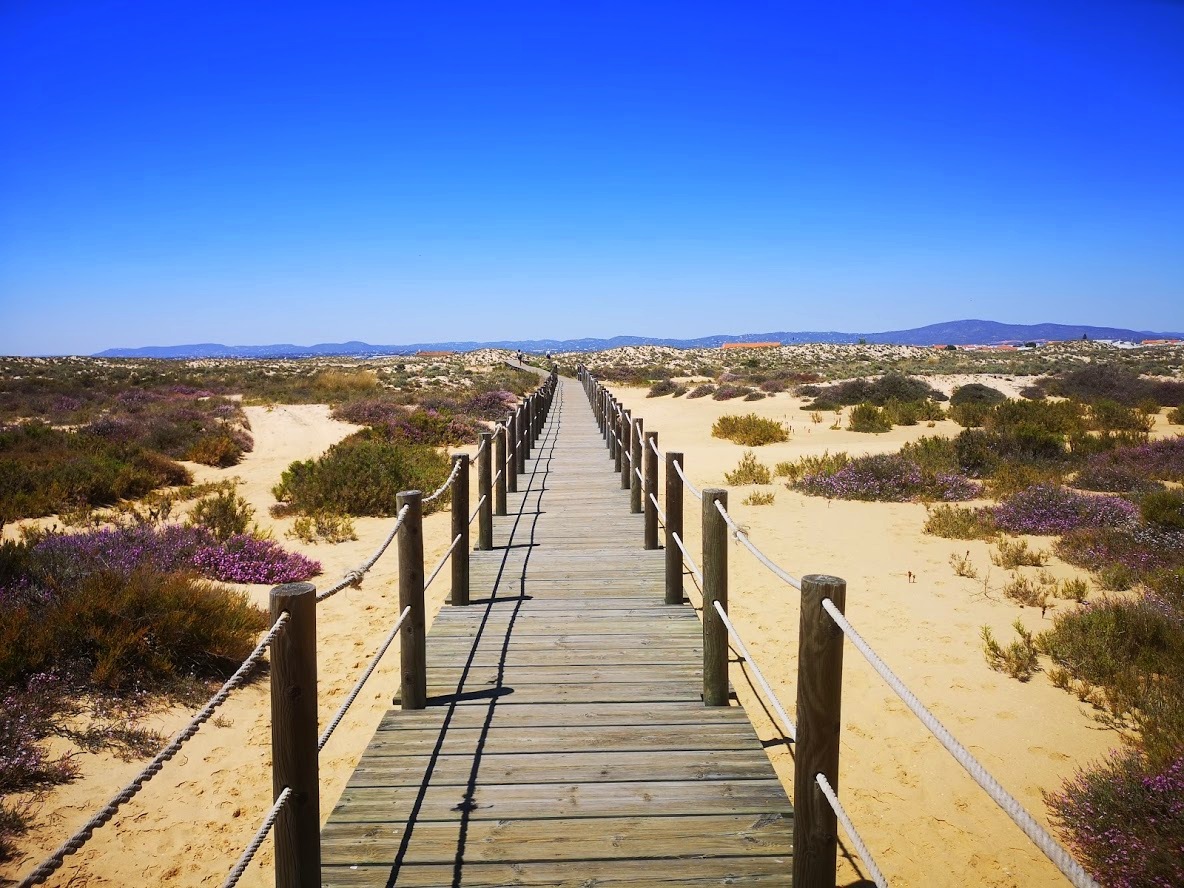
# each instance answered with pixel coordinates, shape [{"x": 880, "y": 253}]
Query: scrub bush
[{"x": 750, "y": 430}]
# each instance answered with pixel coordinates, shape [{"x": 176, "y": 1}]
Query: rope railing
[
  {"x": 661, "y": 514},
  {"x": 83, "y": 835},
  {"x": 742, "y": 649},
  {"x": 257, "y": 842},
  {"x": 357, "y": 688},
  {"x": 440, "y": 565},
  {"x": 477, "y": 510},
  {"x": 690, "y": 562},
  {"x": 439, "y": 491},
  {"x": 741, "y": 537},
  {"x": 1071, "y": 869},
  {"x": 354, "y": 576},
  {"x": 654, "y": 447},
  {"x": 695, "y": 492},
  {"x": 856, "y": 839}
]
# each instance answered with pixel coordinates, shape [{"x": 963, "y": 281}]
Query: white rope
[
  {"x": 860, "y": 848},
  {"x": 741, "y": 537},
  {"x": 690, "y": 562},
  {"x": 442, "y": 562},
  {"x": 687, "y": 481},
  {"x": 661, "y": 514},
  {"x": 498, "y": 476},
  {"x": 249, "y": 854},
  {"x": 447, "y": 483},
  {"x": 738, "y": 642},
  {"x": 626, "y": 454},
  {"x": 1033, "y": 830},
  {"x": 654, "y": 447},
  {"x": 82, "y": 836},
  {"x": 357, "y": 688},
  {"x": 637, "y": 472},
  {"x": 479, "y": 449},
  {"x": 477, "y": 511},
  {"x": 353, "y": 577}
]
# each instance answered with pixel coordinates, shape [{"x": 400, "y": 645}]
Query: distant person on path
[{"x": 519, "y": 357}]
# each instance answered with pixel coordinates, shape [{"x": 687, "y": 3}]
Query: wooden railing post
[
  {"x": 820, "y": 686},
  {"x": 512, "y": 453},
  {"x": 485, "y": 492},
  {"x": 499, "y": 465},
  {"x": 635, "y": 467},
  {"x": 673, "y": 526},
  {"x": 715, "y": 588},
  {"x": 294, "y": 762},
  {"x": 619, "y": 428},
  {"x": 412, "y": 648},
  {"x": 460, "y": 527},
  {"x": 624, "y": 467},
  {"x": 527, "y": 429},
  {"x": 523, "y": 434},
  {"x": 650, "y": 493}
]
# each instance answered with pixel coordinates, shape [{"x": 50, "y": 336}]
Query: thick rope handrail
[
  {"x": 860, "y": 847},
  {"x": 654, "y": 447},
  {"x": 661, "y": 514},
  {"x": 355, "y": 576},
  {"x": 447, "y": 483},
  {"x": 742, "y": 649},
  {"x": 1072, "y": 870},
  {"x": 256, "y": 843},
  {"x": 695, "y": 492},
  {"x": 440, "y": 564},
  {"x": 477, "y": 510},
  {"x": 500, "y": 472},
  {"x": 82, "y": 836},
  {"x": 480, "y": 449},
  {"x": 686, "y": 557},
  {"x": 637, "y": 472},
  {"x": 357, "y": 688},
  {"x": 742, "y": 537}
]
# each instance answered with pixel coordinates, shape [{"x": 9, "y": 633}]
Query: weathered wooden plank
[
  {"x": 543, "y": 801},
  {"x": 697, "y": 872},
  {"x": 622, "y": 714},
  {"x": 577, "y": 839}
]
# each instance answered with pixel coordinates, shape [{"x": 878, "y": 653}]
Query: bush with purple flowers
[
  {"x": 1053, "y": 509},
  {"x": 887, "y": 478},
  {"x": 1124, "y": 819}
]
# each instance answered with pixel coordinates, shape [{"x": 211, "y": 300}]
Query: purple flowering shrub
[
  {"x": 1053, "y": 509},
  {"x": 170, "y": 549},
  {"x": 1141, "y": 550},
  {"x": 1134, "y": 468},
  {"x": 887, "y": 478},
  {"x": 1124, "y": 820}
]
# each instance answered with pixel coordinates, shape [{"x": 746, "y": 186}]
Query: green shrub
[
  {"x": 362, "y": 475},
  {"x": 327, "y": 526},
  {"x": 1176, "y": 416},
  {"x": 970, "y": 415},
  {"x": 954, "y": 523},
  {"x": 749, "y": 471},
  {"x": 1022, "y": 590},
  {"x": 224, "y": 514},
  {"x": 933, "y": 454},
  {"x": 760, "y": 498},
  {"x": 827, "y": 464},
  {"x": 221, "y": 451},
  {"x": 750, "y": 430},
  {"x": 1018, "y": 659},
  {"x": 976, "y": 393},
  {"x": 868, "y": 417},
  {"x": 1163, "y": 508},
  {"x": 663, "y": 387},
  {"x": 701, "y": 391},
  {"x": 1011, "y": 554}
]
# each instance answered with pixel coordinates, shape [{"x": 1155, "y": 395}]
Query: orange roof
[{"x": 751, "y": 345}]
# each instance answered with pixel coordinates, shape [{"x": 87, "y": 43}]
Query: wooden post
[
  {"x": 512, "y": 448},
  {"x": 650, "y": 493},
  {"x": 412, "y": 649},
  {"x": 485, "y": 492},
  {"x": 715, "y": 588},
  {"x": 294, "y": 737},
  {"x": 460, "y": 527},
  {"x": 610, "y": 423},
  {"x": 527, "y": 429},
  {"x": 499, "y": 465},
  {"x": 635, "y": 468},
  {"x": 820, "y": 687},
  {"x": 619, "y": 428},
  {"x": 626, "y": 431},
  {"x": 673, "y": 526},
  {"x": 523, "y": 435}
]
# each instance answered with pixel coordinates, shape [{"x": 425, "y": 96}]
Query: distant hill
[{"x": 969, "y": 332}]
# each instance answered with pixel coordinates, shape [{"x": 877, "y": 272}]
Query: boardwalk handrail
[
  {"x": 814, "y": 587},
  {"x": 293, "y": 865}
]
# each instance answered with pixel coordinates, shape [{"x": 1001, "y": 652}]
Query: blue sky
[{"x": 254, "y": 173}]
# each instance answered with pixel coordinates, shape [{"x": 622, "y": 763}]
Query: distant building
[{"x": 751, "y": 345}]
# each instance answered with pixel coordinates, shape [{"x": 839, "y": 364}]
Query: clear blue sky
[{"x": 254, "y": 173}]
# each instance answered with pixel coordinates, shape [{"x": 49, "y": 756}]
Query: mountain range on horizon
[{"x": 964, "y": 332}]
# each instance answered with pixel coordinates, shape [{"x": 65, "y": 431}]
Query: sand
[{"x": 923, "y": 817}]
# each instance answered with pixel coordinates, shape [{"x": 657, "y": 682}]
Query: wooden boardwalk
[{"x": 565, "y": 742}]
